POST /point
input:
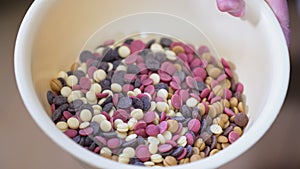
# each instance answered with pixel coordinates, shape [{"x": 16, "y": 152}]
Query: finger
[
  {"x": 233, "y": 7},
  {"x": 280, "y": 9}
]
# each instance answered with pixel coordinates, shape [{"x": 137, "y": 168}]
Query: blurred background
[{"x": 23, "y": 145}]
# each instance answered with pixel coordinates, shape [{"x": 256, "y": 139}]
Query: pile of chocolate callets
[{"x": 159, "y": 102}]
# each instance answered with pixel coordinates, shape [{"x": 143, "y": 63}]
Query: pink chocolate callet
[
  {"x": 106, "y": 115},
  {"x": 228, "y": 94},
  {"x": 183, "y": 57},
  {"x": 176, "y": 79},
  {"x": 190, "y": 81},
  {"x": 164, "y": 148},
  {"x": 239, "y": 87},
  {"x": 76, "y": 87},
  {"x": 175, "y": 137},
  {"x": 52, "y": 107},
  {"x": 142, "y": 153},
  {"x": 113, "y": 143},
  {"x": 214, "y": 83},
  {"x": 194, "y": 125},
  {"x": 162, "y": 116},
  {"x": 225, "y": 63},
  {"x": 137, "y": 45},
  {"x": 149, "y": 117},
  {"x": 67, "y": 114},
  {"x": 97, "y": 55},
  {"x": 171, "y": 69},
  {"x": 101, "y": 140},
  {"x": 210, "y": 96},
  {"x": 141, "y": 124},
  {"x": 180, "y": 126},
  {"x": 147, "y": 81},
  {"x": 91, "y": 71},
  {"x": 89, "y": 61},
  {"x": 109, "y": 42},
  {"x": 184, "y": 94},
  {"x": 202, "y": 49},
  {"x": 222, "y": 77},
  {"x": 194, "y": 95},
  {"x": 175, "y": 85},
  {"x": 101, "y": 95},
  {"x": 149, "y": 89},
  {"x": 233, "y": 136},
  {"x": 229, "y": 72},
  {"x": 143, "y": 68},
  {"x": 141, "y": 132},
  {"x": 189, "y": 138},
  {"x": 152, "y": 130},
  {"x": 86, "y": 131},
  {"x": 189, "y": 48},
  {"x": 139, "y": 59},
  {"x": 115, "y": 99},
  {"x": 229, "y": 112},
  {"x": 164, "y": 66},
  {"x": 200, "y": 72},
  {"x": 205, "y": 93},
  {"x": 195, "y": 63},
  {"x": 190, "y": 58},
  {"x": 97, "y": 149},
  {"x": 173, "y": 143},
  {"x": 71, "y": 133},
  {"x": 127, "y": 87},
  {"x": 131, "y": 59},
  {"x": 84, "y": 91},
  {"x": 205, "y": 105},
  {"x": 130, "y": 77},
  {"x": 121, "y": 114},
  {"x": 215, "y": 99},
  {"x": 182, "y": 155},
  {"x": 141, "y": 95},
  {"x": 163, "y": 126},
  {"x": 164, "y": 76},
  {"x": 176, "y": 101},
  {"x": 144, "y": 77}
]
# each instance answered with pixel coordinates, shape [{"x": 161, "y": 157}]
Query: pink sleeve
[{"x": 279, "y": 7}]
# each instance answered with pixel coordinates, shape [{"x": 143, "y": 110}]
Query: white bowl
[{"x": 53, "y": 33}]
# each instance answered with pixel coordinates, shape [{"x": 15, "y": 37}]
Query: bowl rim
[{"x": 25, "y": 86}]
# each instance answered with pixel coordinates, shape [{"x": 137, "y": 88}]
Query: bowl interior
[{"x": 56, "y": 32}]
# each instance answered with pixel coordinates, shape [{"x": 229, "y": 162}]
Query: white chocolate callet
[
  {"x": 99, "y": 118},
  {"x": 99, "y": 75},
  {"x": 170, "y": 55},
  {"x": 138, "y": 114},
  {"x": 216, "y": 129},
  {"x": 96, "y": 88},
  {"x": 65, "y": 91},
  {"x": 62, "y": 125},
  {"x": 155, "y": 77},
  {"x": 73, "y": 123},
  {"x": 84, "y": 125},
  {"x": 85, "y": 115},
  {"x": 124, "y": 51},
  {"x": 105, "y": 126},
  {"x": 163, "y": 93},
  {"x": 72, "y": 80},
  {"x": 156, "y": 47},
  {"x": 191, "y": 102},
  {"x": 115, "y": 87}
]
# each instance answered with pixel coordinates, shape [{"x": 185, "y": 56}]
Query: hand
[{"x": 280, "y": 8}]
